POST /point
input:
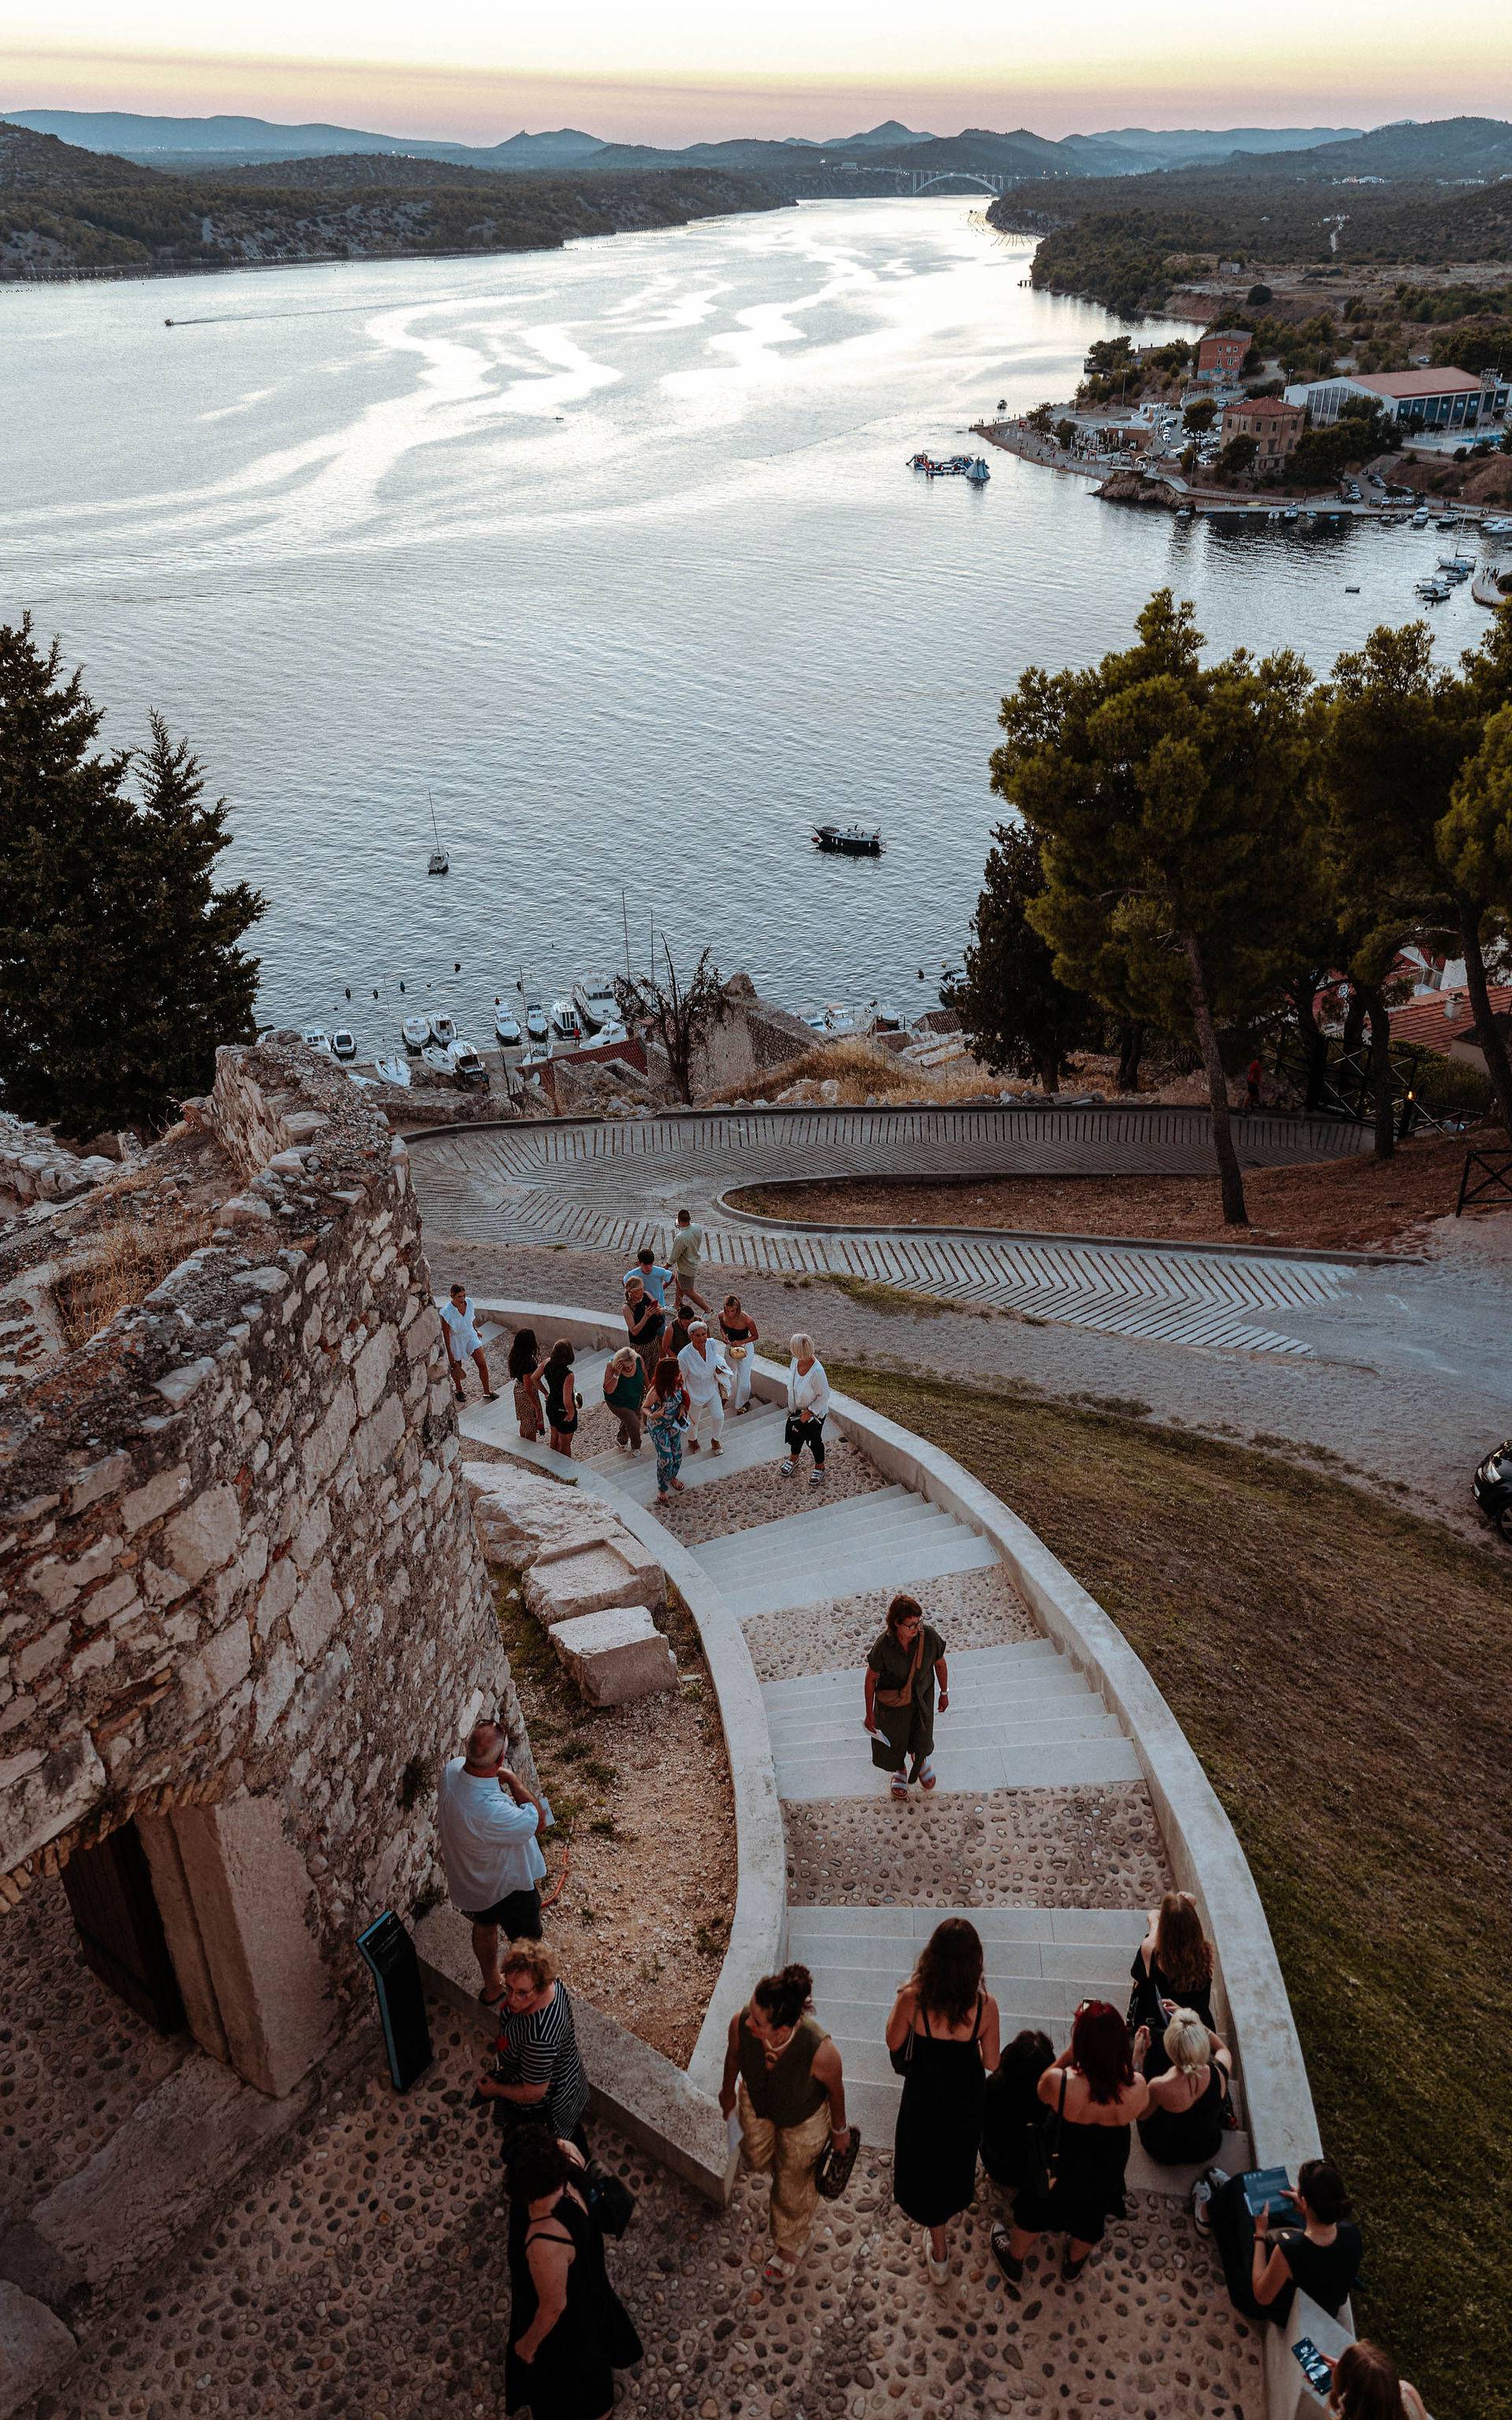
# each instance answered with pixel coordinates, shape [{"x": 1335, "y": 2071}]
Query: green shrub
[{"x": 1451, "y": 1088}]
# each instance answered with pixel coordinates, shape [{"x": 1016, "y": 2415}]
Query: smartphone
[{"x": 1315, "y": 2369}]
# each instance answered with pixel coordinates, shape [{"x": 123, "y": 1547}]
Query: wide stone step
[
  {"x": 814, "y": 1925},
  {"x": 958, "y": 1729},
  {"x": 910, "y": 1559},
  {"x": 1082, "y": 1764},
  {"x": 1027, "y": 1666},
  {"x": 874, "y": 2107},
  {"x": 808, "y": 1525},
  {"x": 754, "y": 1439}
]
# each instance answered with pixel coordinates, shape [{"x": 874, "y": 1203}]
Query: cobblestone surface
[
  {"x": 967, "y": 1609},
  {"x": 74, "y": 2060},
  {"x": 1012, "y": 1848},
  {"x": 366, "y": 2273},
  {"x": 718, "y": 1507}
]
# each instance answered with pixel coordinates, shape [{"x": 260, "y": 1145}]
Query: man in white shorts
[{"x": 706, "y": 1375}]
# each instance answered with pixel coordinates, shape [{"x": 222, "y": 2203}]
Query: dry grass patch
[
  {"x": 131, "y": 1254},
  {"x": 645, "y": 1830},
  {"x": 1354, "y": 1204},
  {"x": 863, "y": 1070},
  {"x": 1343, "y": 1670}
]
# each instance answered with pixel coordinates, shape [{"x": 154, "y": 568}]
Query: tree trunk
[
  {"x": 1386, "y": 1125},
  {"x": 1131, "y": 1051},
  {"x": 1493, "y": 1046},
  {"x": 1050, "y": 1073},
  {"x": 1232, "y": 1183}
]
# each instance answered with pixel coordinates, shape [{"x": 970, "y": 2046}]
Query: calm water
[{"x": 615, "y": 551}]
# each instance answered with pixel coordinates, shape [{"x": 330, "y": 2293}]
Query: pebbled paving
[{"x": 611, "y": 1186}]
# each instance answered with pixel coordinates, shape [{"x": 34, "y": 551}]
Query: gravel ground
[
  {"x": 364, "y": 2274},
  {"x": 716, "y": 1507},
  {"x": 1370, "y": 1356},
  {"x": 967, "y": 1609},
  {"x": 1016, "y": 1848}
]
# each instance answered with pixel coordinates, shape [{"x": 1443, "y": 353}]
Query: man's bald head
[{"x": 486, "y": 1745}]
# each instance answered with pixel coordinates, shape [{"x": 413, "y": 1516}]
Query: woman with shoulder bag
[
  {"x": 942, "y": 2038},
  {"x": 1094, "y": 2095},
  {"x": 568, "y": 2330},
  {"x": 899, "y": 1696},
  {"x": 782, "y": 2075},
  {"x": 741, "y": 1336}
]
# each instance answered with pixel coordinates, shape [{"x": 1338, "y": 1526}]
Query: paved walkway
[{"x": 613, "y": 1185}]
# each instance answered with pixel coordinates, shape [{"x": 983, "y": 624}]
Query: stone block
[
  {"x": 35, "y": 2347},
  {"x": 616, "y": 1655},
  {"x": 203, "y": 1536},
  {"x": 147, "y": 1502},
  {"x": 41, "y": 1801},
  {"x": 565, "y": 1582}
]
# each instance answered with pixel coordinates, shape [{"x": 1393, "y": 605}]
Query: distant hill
[
  {"x": 63, "y": 209},
  {"x": 170, "y": 142},
  {"x": 1191, "y": 146},
  {"x": 889, "y": 136},
  {"x": 1445, "y": 149}
]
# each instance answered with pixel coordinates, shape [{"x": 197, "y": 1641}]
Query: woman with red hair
[{"x": 1094, "y": 2096}]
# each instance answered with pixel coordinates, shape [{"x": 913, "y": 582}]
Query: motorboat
[
  {"x": 393, "y": 1071},
  {"x": 1448, "y": 520},
  {"x": 885, "y": 1017},
  {"x": 1497, "y": 528},
  {"x": 343, "y": 1042},
  {"x": 415, "y": 1032},
  {"x": 506, "y": 1026},
  {"x": 1420, "y": 519},
  {"x": 613, "y": 1030},
  {"x": 468, "y": 1067},
  {"x": 443, "y": 1029},
  {"x": 594, "y": 1000},
  {"x": 834, "y": 1020},
  {"x": 848, "y": 840},
  {"x": 316, "y": 1037},
  {"x": 537, "y": 1026},
  {"x": 1289, "y": 513},
  {"x": 1433, "y": 592},
  {"x": 564, "y": 1021},
  {"x": 438, "y": 1055}
]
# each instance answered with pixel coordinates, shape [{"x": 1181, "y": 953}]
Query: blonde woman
[
  {"x": 1183, "y": 2120},
  {"x": 808, "y": 1406},
  {"x": 624, "y": 1386}
]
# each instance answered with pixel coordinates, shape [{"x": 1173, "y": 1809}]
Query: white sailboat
[{"x": 440, "y": 861}]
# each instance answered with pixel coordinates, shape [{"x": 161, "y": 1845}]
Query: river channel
[{"x": 614, "y": 552}]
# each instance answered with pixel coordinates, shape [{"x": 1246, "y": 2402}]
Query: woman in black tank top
[{"x": 942, "y": 2037}]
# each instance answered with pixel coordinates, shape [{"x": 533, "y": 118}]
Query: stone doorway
[{"x": 119, "y": 1928}]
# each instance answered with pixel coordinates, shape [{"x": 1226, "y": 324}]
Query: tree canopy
[
  {"x": 120, "y": 963},
  {"x": 1019, "y": 1018}
]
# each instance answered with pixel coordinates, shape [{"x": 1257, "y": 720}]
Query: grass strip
[{"x": 1342, "y": 1669}]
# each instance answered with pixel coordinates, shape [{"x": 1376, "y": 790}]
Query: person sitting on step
[
  {"x": 1263, "y": 2269},
  {"x": 1094, "y": 2096},
  {"x": 1184, "y": 2124}
]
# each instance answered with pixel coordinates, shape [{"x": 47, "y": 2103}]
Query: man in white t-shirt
[
  {"x": 705, "y": 1375},
  {"x": 464, "y": 1343},
  {"x": 488, "y": 1825}
]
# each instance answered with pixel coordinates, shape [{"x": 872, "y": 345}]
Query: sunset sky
[{"x": 671, "y": 70}]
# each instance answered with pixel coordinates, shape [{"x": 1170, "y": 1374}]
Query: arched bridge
[{"x": 921, "y": 182}]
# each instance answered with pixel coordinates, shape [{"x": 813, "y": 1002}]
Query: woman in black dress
[
  {"x": 1172, "y": 1969},
  {"x": 560, "y": 1397},
  {"x": 1094, "y": 2095},
  {"x": 568, "y": 2330},
  {"x": 942, "y": 2035},
  {"x": 1264, "y": 2271},
  {"x": 1014, "y": 2113},
  {"x": 1184, "y": 2124}
]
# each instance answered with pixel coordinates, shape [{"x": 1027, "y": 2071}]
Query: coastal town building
[
  {"x": 1220, "y": 355},
  {"x": 1418, "y": 398},
  {"x": 1444, "y": 1021},
  {"x": 1275, "y": 427}
]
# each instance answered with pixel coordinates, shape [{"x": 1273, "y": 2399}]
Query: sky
[{"x": 678, "y": 70}]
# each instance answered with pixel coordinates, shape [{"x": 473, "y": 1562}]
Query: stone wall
[
  {"x": 35, "y": 1167},
  {"x": 241, "y": 1591}
]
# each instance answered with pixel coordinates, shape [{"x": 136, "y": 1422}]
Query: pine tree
[
  {"x": 118, "y": 966},
  {"x": 1167, "y": 796},
  {"x": 1016, "y": 1015}
]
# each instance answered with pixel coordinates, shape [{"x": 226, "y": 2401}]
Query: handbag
[
  {"x": 832, "y": 2171},
  {"x": 1043, "y": 2157},
  {"x": 903, "y": 1697},
  {"x": 610, "y": 2200}
]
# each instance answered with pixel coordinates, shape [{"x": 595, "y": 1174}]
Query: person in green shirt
[
  {"x": 624, "y": 1385},
  {"x": 899, "y": 1696},
  {"x": 686, "y": 1253}
]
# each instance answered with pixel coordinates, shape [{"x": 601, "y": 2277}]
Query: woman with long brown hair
[
  {"x": 942, "y": 2037},
  {"x": 1368, "y": 2386},
  {"x": 1172, "y": 1969},
  {"x": 1094, "y": 2095},
  {"x": 897, "y": 1695}
]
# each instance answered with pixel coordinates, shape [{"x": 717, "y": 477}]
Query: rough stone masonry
[{"x": 241, "y": 1601}]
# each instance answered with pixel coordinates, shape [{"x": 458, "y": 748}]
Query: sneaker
[{"x": 1202, "y": 2196}]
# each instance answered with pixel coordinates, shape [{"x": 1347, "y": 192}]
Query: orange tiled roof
[{"x": 1423, "y": 1024}]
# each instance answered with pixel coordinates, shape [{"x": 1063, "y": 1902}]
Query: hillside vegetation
[{"x": 64, "y": 209}]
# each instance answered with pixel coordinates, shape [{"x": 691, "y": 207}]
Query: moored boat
[
  {"x": 343, "y": 1042},
  {"x": 415, "y": 1032},
  {"x": 443, "y": 1029},
  {"x": 848, "y": 840},
  {"x": 393, "y": 1071},
  {"x": 537, "y": 1026},
  {"x": 565, "y": 1021},
  {"x": 594, "y": 998},
  {"x": 316, "y": 1037},
  {"x": 506, "y": 1025}
]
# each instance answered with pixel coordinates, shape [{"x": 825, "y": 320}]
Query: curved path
[
  {"x": 1068, "y": 1799},
  {"x": 613, "y": 1185}
]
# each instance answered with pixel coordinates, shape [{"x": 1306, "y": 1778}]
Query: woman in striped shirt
[{"x": 537, "y": 2071}]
